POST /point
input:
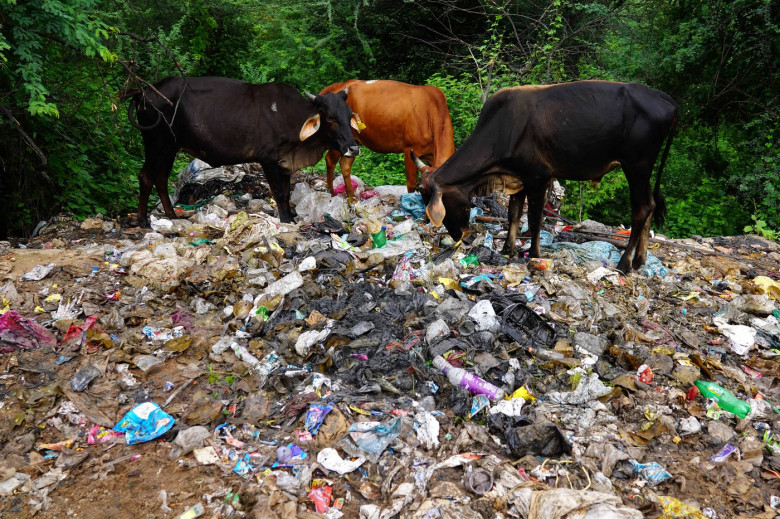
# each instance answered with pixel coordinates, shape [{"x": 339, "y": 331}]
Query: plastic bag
[
  {"x": 144, "y": 422},
  {"x": 374, "y": 437}
]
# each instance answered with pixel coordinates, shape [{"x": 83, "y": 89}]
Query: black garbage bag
[
  {"x": 491, "y": 205},
  {"x": 541, "y": 438}
]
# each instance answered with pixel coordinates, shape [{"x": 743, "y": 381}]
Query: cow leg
[
  {"x": 346, "y": 170},
  {"x": 536, "y": 201},
  {"x": 145, "y": 183},
  {"x": 279, "y": 182},
  {"x": 640, "y": 257},
  {"x": 516, "y": 202},
  {"x": 331, "y": 159},
  {"x": 161, "y": 183},
  {"x": 642, "y": 206},
  {"x": 155, "y": 172},
  {"x": 411, "y": 171}
]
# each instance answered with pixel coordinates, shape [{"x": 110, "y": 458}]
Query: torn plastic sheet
[
  {"x": 589, "y": 389},
  {"x": 742, "y": 337},
  {"x": 330, "y": 459}
]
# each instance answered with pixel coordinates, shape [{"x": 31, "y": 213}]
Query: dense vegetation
[{"x": 66, "y": 145}]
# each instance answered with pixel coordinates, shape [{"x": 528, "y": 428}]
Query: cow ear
[
  {"x": 310, "y": 127},
  {"x": 435, "y": 210},
  {"x": 356, "y": 123}
]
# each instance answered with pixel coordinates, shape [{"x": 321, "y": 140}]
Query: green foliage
[
  {"x": 707, "y": 209},
  {"x": 464, "y": 101},
  {"x": 29, "y": 29},
  {"x": 606, "y": 202},
  {"x": 760, "y": 227}
]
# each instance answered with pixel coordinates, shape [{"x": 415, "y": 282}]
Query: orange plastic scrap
[
  {"x": 57, "y": 446},
  {"x": 676, "y": 509},
  {"x": 622, "y": 234}
]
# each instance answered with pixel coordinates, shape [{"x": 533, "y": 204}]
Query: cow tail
[{"x": 659, "y": 214}]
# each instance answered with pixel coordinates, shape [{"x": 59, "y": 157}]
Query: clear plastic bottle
[
  {"x": 243, "y": 354},
  {"x": 193, "y": 512},
  {"x": 461, "y": 377}
]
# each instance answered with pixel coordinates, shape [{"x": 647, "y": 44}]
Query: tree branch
[{"x": 26, "y": 138}]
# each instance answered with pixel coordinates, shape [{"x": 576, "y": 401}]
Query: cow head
[
  {"x": 449, "y": 206},
  {"x": 333, "y": 119}
]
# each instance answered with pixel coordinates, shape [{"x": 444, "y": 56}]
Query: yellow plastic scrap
[
  {"x": 686, "y": 296},
  {"x": 360, "y": 411},
  {"x": 54, "y": 298},
  {"x": 450, "y": 284},
  {"x": 676, "y": 509},
  {"x": 768, "y": 286},
  {"x": 523, "y": 393},
  {"x": 240, "y": 219}
]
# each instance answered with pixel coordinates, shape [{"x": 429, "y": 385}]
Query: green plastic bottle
[
  {"x": 380, "y": 238},
  {"x": 726, "y": 400}
]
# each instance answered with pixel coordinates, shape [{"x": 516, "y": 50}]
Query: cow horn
[
  {"x": 132, "y": 114},
  {"x": 310, "y": 96},
  {"x": 419, "y": 163}
]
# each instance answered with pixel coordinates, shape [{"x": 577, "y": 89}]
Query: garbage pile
[{"x": 359, "y": 364}]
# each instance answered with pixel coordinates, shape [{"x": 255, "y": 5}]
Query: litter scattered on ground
[{"x": 355, "y": 364}]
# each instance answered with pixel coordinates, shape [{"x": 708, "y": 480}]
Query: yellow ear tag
[{"x": 361, "y": 126}]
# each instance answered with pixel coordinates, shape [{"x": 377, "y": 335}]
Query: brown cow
[{"x": 398, "y": 118}]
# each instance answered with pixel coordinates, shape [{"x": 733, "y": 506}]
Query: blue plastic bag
[
  {"x": 651, "y": 472},
  {"x": 144, "y": 422},
  {"x": 374, "y": 437},
  {"x": 412, "y": 204}
]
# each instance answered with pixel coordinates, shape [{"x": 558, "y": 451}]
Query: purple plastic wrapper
[
  {"x": 315, "y": 416},
  {"x": 289, "y": 456},
  {"x": 724, "y": 453}
]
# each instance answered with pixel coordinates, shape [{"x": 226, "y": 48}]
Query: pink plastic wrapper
[
  {"x": 343, "y": 187},
  {"x": 98, "y": 434},
  {"x": 20, "y": 332},
  {"x": 365, "y": 195}
]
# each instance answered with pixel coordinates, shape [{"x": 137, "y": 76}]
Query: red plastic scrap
[
  {"x": 321, "y": 496},
  {"x": 17, "y": 331}
]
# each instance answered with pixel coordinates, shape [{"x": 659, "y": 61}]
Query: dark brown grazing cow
[
  {"x": 398, "y": 118},
  {"x": 527, "y": 135},
  {"x": 225, "y": 121}
]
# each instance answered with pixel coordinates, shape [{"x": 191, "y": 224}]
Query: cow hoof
[{"x": 623, "y": 267}]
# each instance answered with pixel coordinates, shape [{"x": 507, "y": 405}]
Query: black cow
[
  {"x": 527, "y": 135},
  {"x": 224, "y": 121}
]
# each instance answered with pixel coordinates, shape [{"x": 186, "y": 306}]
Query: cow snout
[{"x": 352, "y": 151}]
